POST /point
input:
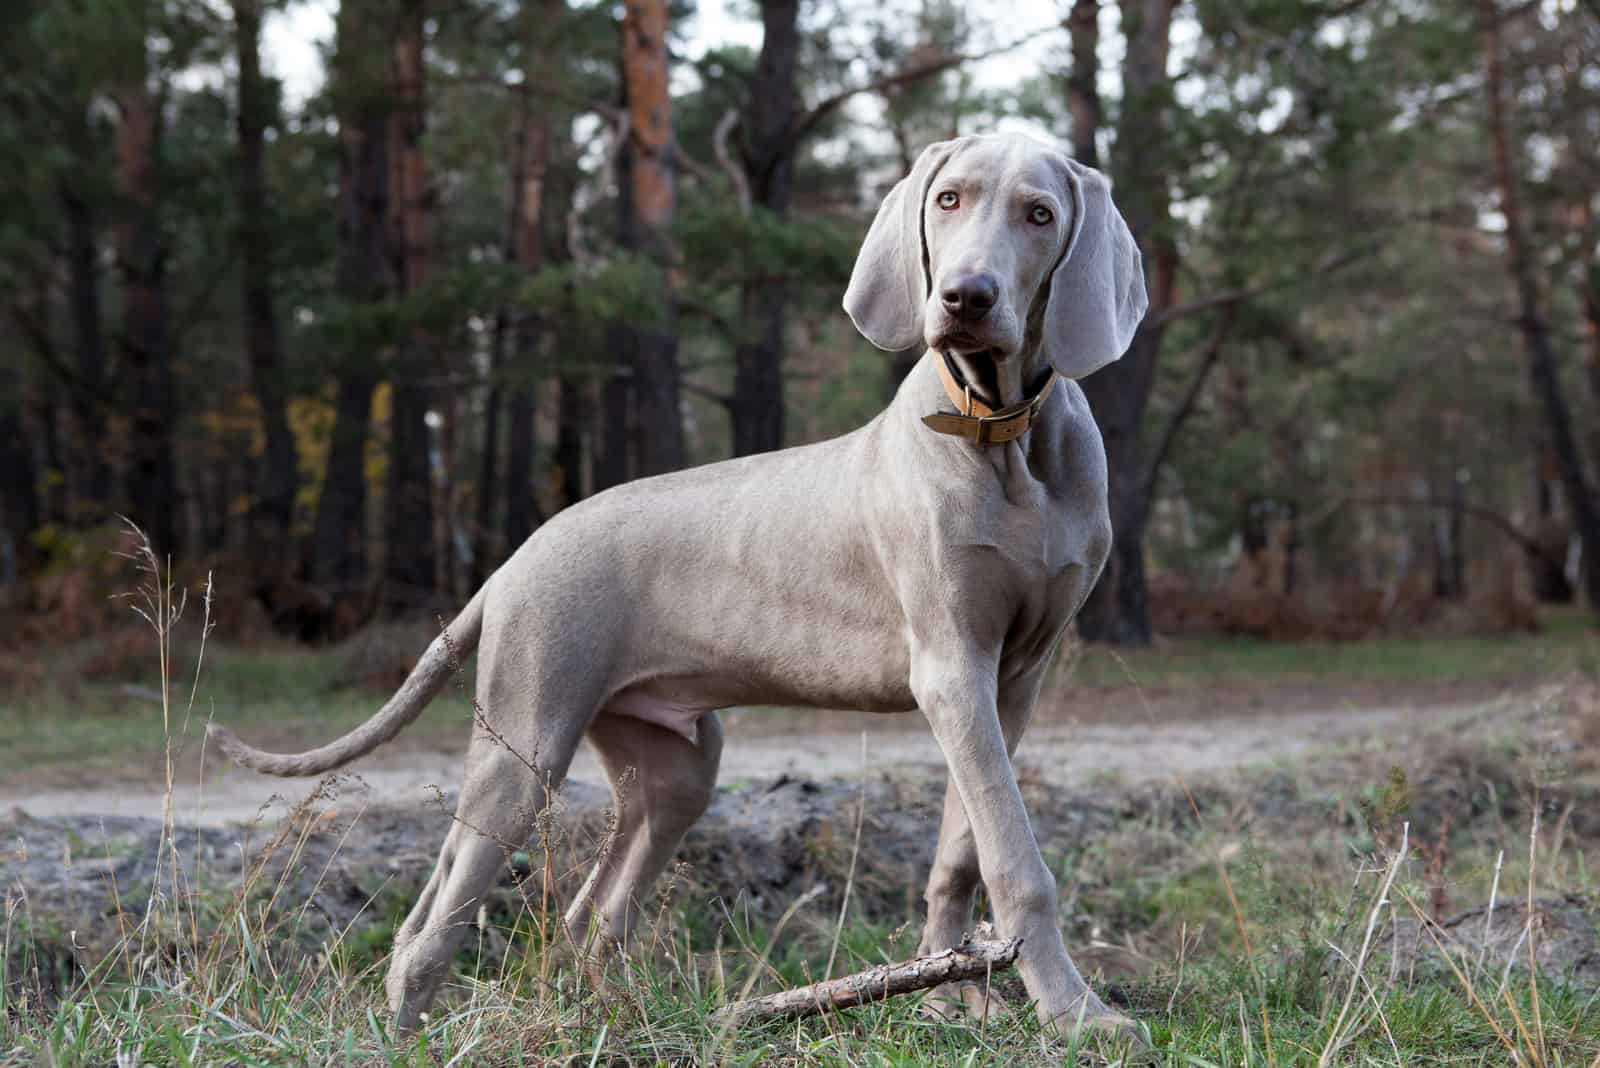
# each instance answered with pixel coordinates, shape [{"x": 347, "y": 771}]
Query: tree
[
  {"x": 1083, "y": 90},
  {"x": 645, "y": 209},
  {"x": 337, "y": 553},
  {"x": 1117, "y": 610},
  {"x": 769, "y": 146},
  {"x": 19, "y": 486},
  {"x": 280, "y": 471},
  {"x": 142, "y": 260},
  {"x": 1543, "y": 369},
  {"x": 88, "y": 399},
  {"x": 412, "y": 558},
  {"x": 529, "y": 185}
]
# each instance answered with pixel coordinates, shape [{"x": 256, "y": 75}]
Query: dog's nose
[{"x": 970, "y": 298}]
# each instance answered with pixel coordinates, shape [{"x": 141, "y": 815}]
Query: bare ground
[{"x": 1128, "y": 739}]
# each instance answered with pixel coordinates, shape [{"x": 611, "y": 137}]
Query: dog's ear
[
  {"x": 890, "y": 281},
  {"x": 1097, "y": 296}
]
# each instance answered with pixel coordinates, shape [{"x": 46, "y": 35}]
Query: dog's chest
[{"x": 1035, "y": 528}]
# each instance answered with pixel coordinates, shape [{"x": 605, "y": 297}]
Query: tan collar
[{"x": 979, "y": 423}]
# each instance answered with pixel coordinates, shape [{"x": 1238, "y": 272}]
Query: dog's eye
[
  {"x": 949, "y": 200},
  {"x": 1041, "y": 215}
]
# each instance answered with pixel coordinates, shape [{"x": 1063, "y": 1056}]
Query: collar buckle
[{"x": 988, "y": 426}]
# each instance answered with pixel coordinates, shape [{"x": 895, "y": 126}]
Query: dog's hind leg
[
  {"x": 512, "y": 774},
  {"x": 661, "y": 783}
]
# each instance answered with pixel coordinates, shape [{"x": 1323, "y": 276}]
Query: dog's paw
[
  {"x": 964, "y": 1002},
  {"x": 1105, "y": 1029}
]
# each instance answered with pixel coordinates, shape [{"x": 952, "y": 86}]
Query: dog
[{"x": 930, "y": 560}]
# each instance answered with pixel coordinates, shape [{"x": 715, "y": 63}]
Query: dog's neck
[
  {"x": 973, "y": 386},
  {"x": 997, "y": 383}
]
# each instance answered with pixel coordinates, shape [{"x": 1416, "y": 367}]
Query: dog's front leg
[
  {"x": 955, "y": 873},
  {"x": 958, "y": 694}
]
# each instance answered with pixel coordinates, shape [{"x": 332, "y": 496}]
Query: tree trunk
[
  {"x": 528, "y": 248},
  {"x": 646, "y": 218},
  {"x": 1547, "y": 572},
  {"x": 338, "y": 558},
  {"x": 1449, "y": 528},
  {"x": 152, "y": 483},
  {"x": 411, "y": 575},
  {"x": 55, "y": 505},
  {"x": 337, "y": 554},
  {"x": 1118, "y": 609},
  {"x": 486, "y": 551},
  {"x": 769, "y": 149},
  {"x": 273, "y": 514},
  {"x": 1083, "y": 92},
  {"x": 1543, "y": 369},
  {"x": 19, "y": 486},
  {"x": 521, "y": 508},
  {"x": 1590, "y": 297},
  {"x": 92, "y": 489},
  {"x": 613, "y": 423},
  {"x": 574, "y": 418},
  {"x": 757, "y": 406}
]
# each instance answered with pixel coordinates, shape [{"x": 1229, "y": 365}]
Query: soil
[{"x": 1126, "y": 738}]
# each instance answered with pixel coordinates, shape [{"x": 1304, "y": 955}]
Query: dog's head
[{"x": 1000, "y": 244}]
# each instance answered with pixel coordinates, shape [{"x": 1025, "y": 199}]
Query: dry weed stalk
[
  {"x": 855, "y": 853},
  {"x": 1337, "y": 1036}
]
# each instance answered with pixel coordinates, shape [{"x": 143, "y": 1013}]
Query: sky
[{"x": 292, "y": 38}]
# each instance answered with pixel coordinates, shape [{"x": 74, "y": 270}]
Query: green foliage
[{"x": 1328, "y": 161}]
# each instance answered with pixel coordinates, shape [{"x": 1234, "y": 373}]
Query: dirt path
[{"x": 816, "y": 746}]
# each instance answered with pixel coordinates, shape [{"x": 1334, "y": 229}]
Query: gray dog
[{"x": 929, "y": 560}]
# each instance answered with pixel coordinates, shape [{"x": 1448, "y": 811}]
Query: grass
[
  {"x": 279, "y": 693},
  {"x": 1243, "y": 926},
  {"x": 1568, "y": 643},
  {"x": 248, "y": 990}
]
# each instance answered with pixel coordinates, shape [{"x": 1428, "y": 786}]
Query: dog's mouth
[{"x": 967, "y": 344}]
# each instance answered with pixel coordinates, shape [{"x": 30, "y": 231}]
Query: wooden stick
[{"x": 971, "y": 960}]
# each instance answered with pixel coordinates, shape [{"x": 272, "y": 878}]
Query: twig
[
  {"x": 825, "y": 107},
  {"x": 1540, "y": 1054},
  {"x": 971, "y": 960},
  {"x": 736, "y": 174},
  {"x": 1210, "y": 351},
  {"x": 1488, "y": 917},
  {"x": 1183, "y": 945},
  {"x": 584, "y": 196}
]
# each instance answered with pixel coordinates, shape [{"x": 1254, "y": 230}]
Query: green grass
[
  {"x": 110, "y": 723},
  {"x": 1568, "y": 643},
  {"x": 248, "y": 991}
]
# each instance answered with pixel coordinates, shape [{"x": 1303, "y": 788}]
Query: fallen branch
[{"x": 971, "y": 960}]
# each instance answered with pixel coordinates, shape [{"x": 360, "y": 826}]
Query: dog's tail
[{"x": 420, "y": 687}]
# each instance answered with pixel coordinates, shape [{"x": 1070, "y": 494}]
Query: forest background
[{"x": 343, "y": 317}]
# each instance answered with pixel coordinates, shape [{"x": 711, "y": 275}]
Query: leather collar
[{"x": 976, "y": 421}]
